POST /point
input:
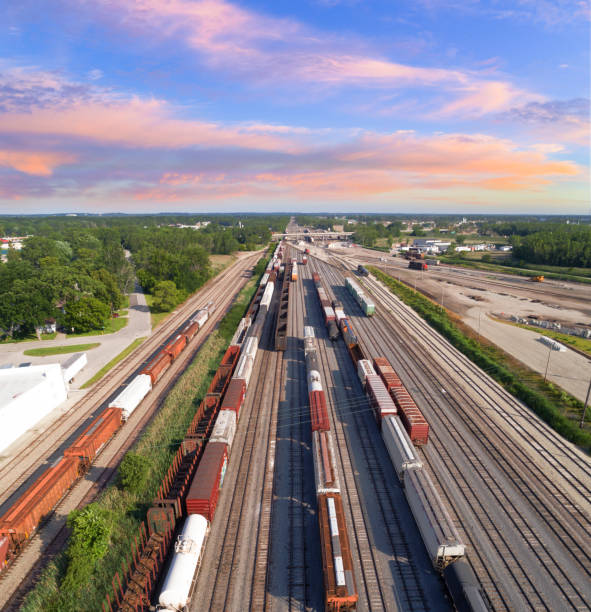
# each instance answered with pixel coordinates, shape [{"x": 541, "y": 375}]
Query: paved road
[{"x": 111, "y": 345}]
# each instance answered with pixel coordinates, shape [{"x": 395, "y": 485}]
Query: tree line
[{"x": 565, "y": 245}]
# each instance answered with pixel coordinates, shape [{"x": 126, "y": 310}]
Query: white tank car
[
  {"x": 129, "y": 399},
  {"x": 400, "y": 448},
  {"x": 176, "y": 590}
]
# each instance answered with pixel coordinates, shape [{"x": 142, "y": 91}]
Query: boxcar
[
  {"x": 92, "y": 439},
  {"x": 175, "y": 347},
  {"x": 234, "y": 397},
  {"x": 157, "y": 366},
  {"x": 415, "y": 423},
  {"x": 202, "y": 497}
]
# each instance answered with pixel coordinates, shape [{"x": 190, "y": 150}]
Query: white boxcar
[
  {"x": 251, "y": 346},
  {"x": 400, "y": 448},
  {"x": 439, "y": 535},
  {"x": 267, "y": 297},
  {"x": 265, "y": 279},
  {"x": 176, "y": 590},
  {"x": 73, "y": 365},
  {"x": 224, "y": 428},
  {"x": 244, "y": 368},
  {"x": 325, "y": 469},
  {"x": 129, "y": 399},
  {"x": 309, "y": 331},
  {"x": 364, "y": 369}
]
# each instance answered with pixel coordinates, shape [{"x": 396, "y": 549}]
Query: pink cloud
[{"x": 39, "y": 164}]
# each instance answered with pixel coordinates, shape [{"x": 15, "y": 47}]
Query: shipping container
[
  {"x": 337, "y": 563},
  {"x": 325, "y": 470},
  {"x": 380, "y": 400},
  {"x": 73, "y": 365},
  {"x": 175, "y": 347},
  {"x": 234, "y": 395},
  {"x": 415, "y": 423},
  {"x": 188, "y": 550},
  {"x": 402, "y": 452},
  {"x": 93, "y": 438},
  {"x": 224, "y": 428},
  {"x": 157, "y": 366},
  {"x": 437, "y": 530},
  {"x": 23, "y": 517},
  {"x": 132, "y": 395},
  {"x": 202, "y": 497},
  {"x": 318, "y": 411},
  {"x": 364, "y": 368}
]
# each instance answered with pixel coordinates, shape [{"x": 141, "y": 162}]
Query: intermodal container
[
  {"x": 95, "y": 435},
  {"x": 318, "y": 411},
  {"x": 157, "y": 366},
  {"x": 175, "y": 347},
  {"x": 209, "y": 477},
  {"x": 23, "y": 516},
  {"x": 415, "y": 423}
]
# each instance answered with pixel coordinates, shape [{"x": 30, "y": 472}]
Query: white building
[
  {"x": 430, "y": 245},
  {"x": 27, "y": 395}
]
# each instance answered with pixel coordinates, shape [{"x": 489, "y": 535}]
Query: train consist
[
  {"x": 328, "y": 312},
  {"x": 417, "y": 264},
  {"x": 337, "y": 564},
  {"x": 364, "y": 301},
  {"x": 199, "y": 497},
  {"x": 21, "y": 520}
]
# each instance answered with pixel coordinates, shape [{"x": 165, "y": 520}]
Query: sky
[{"x": 302, "y": 106}]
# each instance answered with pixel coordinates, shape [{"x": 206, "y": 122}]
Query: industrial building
[{"x": 27, "y": 395}]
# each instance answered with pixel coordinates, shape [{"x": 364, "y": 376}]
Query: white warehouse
[{"x": 27, "y": 395}]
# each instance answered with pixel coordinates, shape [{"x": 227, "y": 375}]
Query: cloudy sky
[{"x": 308, "y": 105}]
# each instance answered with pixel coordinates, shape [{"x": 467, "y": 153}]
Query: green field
[{"x": 61, "y": 350}]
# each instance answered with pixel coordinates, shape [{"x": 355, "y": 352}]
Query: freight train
[
  {"x": 202, "y": 490},
  {"x": 328, "y": 312},
  {"x": 337, "y": 563},
  {"x": 21, "y": 520},
  {"x": 364, "y": 301},
  {"x": 417, "y": 264}
]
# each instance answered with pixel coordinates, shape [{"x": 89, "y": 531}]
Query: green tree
[
  {"x": 166, "y": 296},
  {"x": 86, "y": 314},
  {"x": 133, "y": 472}
]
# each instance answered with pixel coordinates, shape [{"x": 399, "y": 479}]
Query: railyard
[{"x": 517, "y": 493}]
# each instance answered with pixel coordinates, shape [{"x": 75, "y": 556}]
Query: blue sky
[{"x": 207, "y": 105}]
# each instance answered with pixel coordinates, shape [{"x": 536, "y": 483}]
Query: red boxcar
[
  {"x": 337, "y": 564},
  {"x": 204, "y": 491},
  {"x": 318, "y": 411},
  {"x": 234, "y": 395},
  {"x": 23, "y": 517},
  {"x": 414, "y": 422},
  {"x": 3, "y": 552},
  {"x": 190, "y": 330},
  {"x": 157, "y": 366},
  {"x": 95, "y": 435},
  {"x": 175, "y": 347}
]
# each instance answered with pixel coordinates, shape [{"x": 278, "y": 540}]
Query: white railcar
[
  {"x": 251, "y": 346},
  {"x": 364, "y": 369},
  {"x": 325, "y": 470},
  {"x": 267, "y": 297},
  {"x": 224, "y": 429},
  {"x": 264, "y": 279},
  {"x": 129, "y": 399},
  {"x": 201, "y": 317},
  {"x": 188, "y": 549},
  {"x": 244, "y": 368},
  {"x": 400, "y": 448},
  {"x": 439, "y": 535},
  {"x": 238, "y": 336},
  {"x": 73, "y": 365}
]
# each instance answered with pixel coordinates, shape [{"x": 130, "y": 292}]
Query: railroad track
[
  {"x": 501, "y": 484},
  {"x": 237, "y": 533},
  {"x": 401, "y": 582},
  {"x": 47, "y": 444},
  {"x": 52, "y": 535}
]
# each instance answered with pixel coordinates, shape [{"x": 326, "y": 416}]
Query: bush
[{"x": 133, "y": 472}]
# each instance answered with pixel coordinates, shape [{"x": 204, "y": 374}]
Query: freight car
[
  {"x": 94, "y": 437},
  {"x": 364, "y": 301},
  {"x": 328, "y": 312},
  {"x": 362, "y": 270},
  {"x": 379, "y": 398},
  {"x": 464, "y": 587},
  {"x": 417, "y": 264},
  {"x": 132, "y": 395},
  {"x": 402, "y": 452},
  {"x": 294, "y": 271}
]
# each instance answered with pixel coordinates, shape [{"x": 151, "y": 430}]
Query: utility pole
[
  {"x": 547, "y": 362},
  {"x": 479, "y": 313},
  {"x": 585, "y": 406}
]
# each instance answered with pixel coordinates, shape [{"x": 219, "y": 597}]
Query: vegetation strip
[
  {"x": 113, "y": 362},
  {"x": 102, "y": 533},
  {"x": 545, "y": 399},
  {"x": 61, "y": 350}
]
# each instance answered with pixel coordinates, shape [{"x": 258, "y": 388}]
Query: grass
[
  {"x": 112, "y": 326},
  {"x": 61, "y": 350},
  {"x": 31, "y": 338},
  {"x": 156, "y": 317},
  {"x": 219, "y": 262},
  {"x": 113, "y": 363},
  {"x": 582, "y": 344},
  {"x": 553, "y": 405},
  {"x": 127, "y": 510}
]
